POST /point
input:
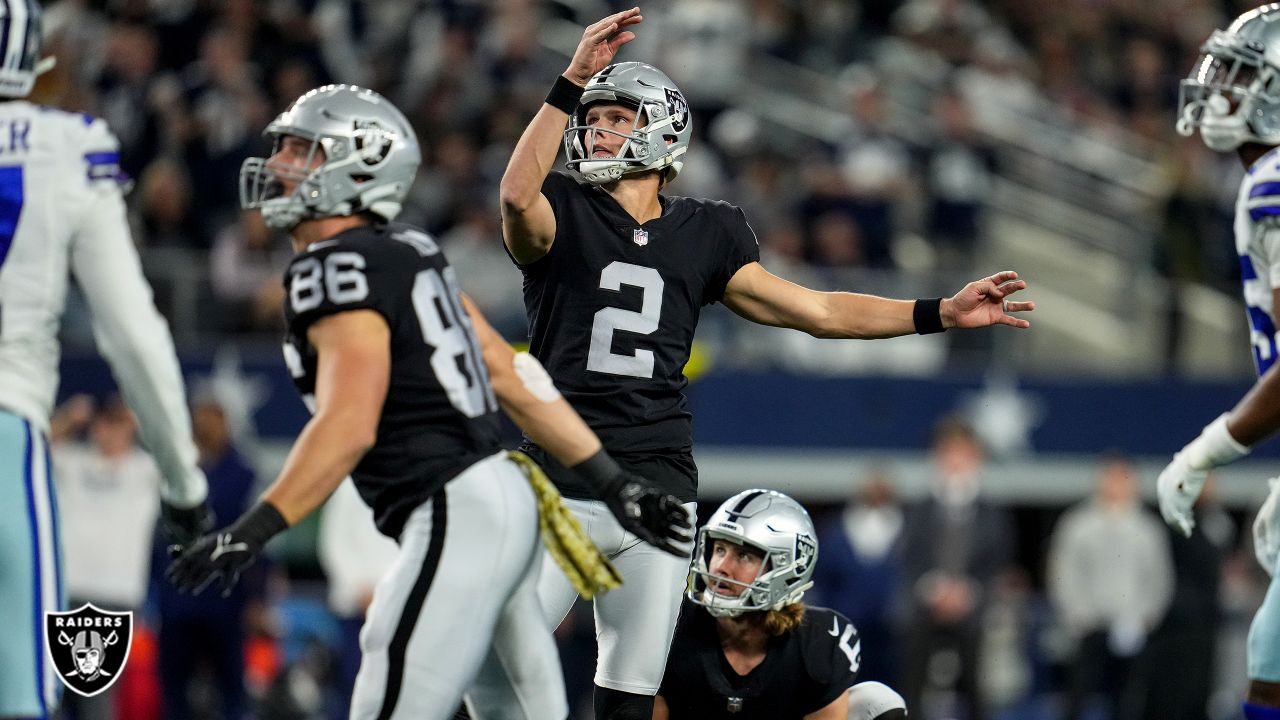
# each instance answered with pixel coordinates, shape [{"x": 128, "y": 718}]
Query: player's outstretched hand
[
  {"x": 1177, "y": 488},
  {"x": 224, "y": 554},
  {"x": 985, "y": 302},
  {"x": 600, "y": 42},
  {"x": 643, "y": 510},
  {"x": 185, "y": 525}
]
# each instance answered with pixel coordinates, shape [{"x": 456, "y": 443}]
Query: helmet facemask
[{"x": 1232, "y": 95}]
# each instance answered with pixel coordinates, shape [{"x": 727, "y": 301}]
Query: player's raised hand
[
  {"x": 985, "y": 302},
  {"x": 600, "y": 42}
]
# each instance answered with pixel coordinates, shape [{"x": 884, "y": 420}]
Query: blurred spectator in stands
[
  {"x": 859, "y": 570},
  {"x": 706, "y": 44},
  {"x": 876, "y": 169},
  {"x": 954, "y": 545},
  {"x": 475, "y": 251},
  {"x": 1182, "y": 651},
  {"x": 108, "y": 503},
  {"x": 1110, "y": 577},
  {"x": 946, "y": 27},
  {"x": 355, "y": 556},
  {"x": 245, "y": 268},
  {"x": 163, "y": 216},
  {"x": 225, "y": 102},
  {"x": 205, "y": 635},
  {"x": 127, "y": 95},
  {"x": 958, "y": 169}
]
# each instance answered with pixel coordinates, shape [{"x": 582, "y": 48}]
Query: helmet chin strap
[{"x": 1220, "y": 129}]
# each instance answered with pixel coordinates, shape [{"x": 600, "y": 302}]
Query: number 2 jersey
[
  {"x": 612, "y": 311},
  {"x": 803, "y": 671},
  {"x": 1257, "y": 231},
  {"x": 440, "y": 414}
]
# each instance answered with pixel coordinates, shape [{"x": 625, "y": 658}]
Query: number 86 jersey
[
  {"x": 440, "y": 414},
  {"x": 613, "y": 306}
]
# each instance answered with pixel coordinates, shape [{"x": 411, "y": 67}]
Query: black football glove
[
  {"x": 643, "y": 510},
  {"x": 226, "y": 553},
  {"x": 185, "y": 525}
]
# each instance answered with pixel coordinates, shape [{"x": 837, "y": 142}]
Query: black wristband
[
  {"x": 261, "y": 523},
  {"x": 599, "y": 469},
  {"x": 564, "y": 95},
  {"x": 927, "y": 315}
]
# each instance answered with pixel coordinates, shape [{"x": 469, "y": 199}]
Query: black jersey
[
  {"x": 440, "y": 415},
  {"x": 803, "y": 670},
  {"x": 613, "y": 307}
]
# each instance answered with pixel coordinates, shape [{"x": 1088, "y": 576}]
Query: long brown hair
[{"x": 784, "y": 619}]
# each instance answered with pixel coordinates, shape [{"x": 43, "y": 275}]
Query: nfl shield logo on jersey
[
  {"x": 88, "y": 646},
  {"x": 640, "y": 236}
]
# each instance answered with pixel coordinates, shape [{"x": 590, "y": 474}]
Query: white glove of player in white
[
  {"x": 1182, "y": 479},
  {"x": 1266, "y": 529}
]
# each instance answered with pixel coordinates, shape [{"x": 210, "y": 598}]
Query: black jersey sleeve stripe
[{"x": 413, "y": 606}]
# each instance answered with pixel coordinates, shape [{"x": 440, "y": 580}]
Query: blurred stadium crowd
[
  {"x": 862, "y": 138},
  {"x": 851, "y": 176}
]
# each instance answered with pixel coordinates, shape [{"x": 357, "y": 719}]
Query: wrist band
[
  {"x": 927, "y": 315},
  {"x": 599, "y": 469},
  {"x": 261, "y": 523},
  {"x": 564, "y": 95}
]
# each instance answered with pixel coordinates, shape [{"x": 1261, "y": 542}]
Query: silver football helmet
[
  {"x": 771, "y": 523},
  {"x": 1233, "y": 93},
  {"x": 20, "y": 25},
  {"x": 659, "y": 138},
  {"x": 370, "y": 157}
]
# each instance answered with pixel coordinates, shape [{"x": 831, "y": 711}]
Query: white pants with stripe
[
  {"x": 635, "y": 622},
  {"x": 458, "y": 613},
  {"x": 30, "y": 570}
]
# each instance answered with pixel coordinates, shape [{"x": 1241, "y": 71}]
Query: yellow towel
[{"x": 589, "y": 571}]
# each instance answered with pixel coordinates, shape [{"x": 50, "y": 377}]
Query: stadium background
[{"x": 899, "y": 147}]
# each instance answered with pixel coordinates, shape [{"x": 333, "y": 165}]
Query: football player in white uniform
[
  {"x": 1232, "y": 97},
  {"x": 62, "y": 212}
]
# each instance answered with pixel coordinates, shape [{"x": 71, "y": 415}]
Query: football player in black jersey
[
  {"x": 404, "y": 378},
  {"x": 746, "y": 647},
  {"x": 615, "y": 275}
]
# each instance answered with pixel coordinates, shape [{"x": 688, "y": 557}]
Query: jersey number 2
[{"x": 601, "y": 357}]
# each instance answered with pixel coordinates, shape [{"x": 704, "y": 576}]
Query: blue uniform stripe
[
  {"x": 37, "y": 584},
  {"x": 113, "y": 158},
  {"x": 1267, "y": 211},
  {"x": 1246, "y": 269},
  {"x": 60, "y": 597},
  {"x": 1265, "y": 188},
  {"x": 11, "y": 198}
]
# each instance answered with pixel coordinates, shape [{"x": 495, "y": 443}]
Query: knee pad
[{"x": 617, "y": 705}]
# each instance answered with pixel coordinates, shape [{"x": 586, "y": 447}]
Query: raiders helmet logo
[
  {"x": 678, "y": 109},
  {"x": 806, "y": 552},
  {"x": 88, "y": 646},
  {"x": 372, "y": 142}
]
